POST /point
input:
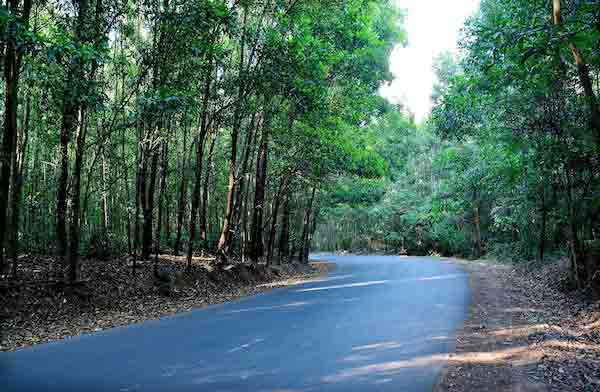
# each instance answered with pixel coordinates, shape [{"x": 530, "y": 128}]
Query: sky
[{"x": 432, "y": 26}]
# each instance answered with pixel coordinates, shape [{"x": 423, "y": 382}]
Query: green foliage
[
  {"x": 138, "y": 83},
  {"x": 508, "y": 163}
]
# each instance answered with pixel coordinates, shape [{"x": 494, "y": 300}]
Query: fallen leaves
[
  {"x": 554, "y": 332},
  {"x": 40, "y": 308}
]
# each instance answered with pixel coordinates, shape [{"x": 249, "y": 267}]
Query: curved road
[{"x": 375, "y": 324}]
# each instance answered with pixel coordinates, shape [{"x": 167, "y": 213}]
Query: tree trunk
[
  {"x": 256, "y": 238},
  {"x": 306, "y": 227},
  {"x": 72, "y": 108},
  {"x": 284, "y": 237},
  {"x": 182, "y": 195},
  {"x": 204, "y": 206},
  {"x": 225, "y": 237},
  {"x": 16, "y": 189},
  {"x": 104, "y": 195},
  {"x": 199, "y": 162},
  {"x": 586, "y": 83},
  {"x": 274, "y": 217},
  {"x": 161, "y": 195},
  {"x": 242, "y": 187},
  {"x": 139, "y": 187},
  {"x": 243, "y": 225},
  {"x": 61, "y": 193},
  {"x": 584, "y": 74},
  {"x": 74, "y": 231},
  {"x": 148, "y": 207},
  {"x": 575, "y": 254},
  {"x": 311, "y": 233},
  {"x": 12, "y": 68}
]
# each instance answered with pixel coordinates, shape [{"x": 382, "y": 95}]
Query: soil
[
  {"x": 526, "y": 331},
  {"x": 39, "y": 307}
]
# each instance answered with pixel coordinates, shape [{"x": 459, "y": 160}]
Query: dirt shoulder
[
  {"x": 39, "y": 308},
  {"x": 524, "y": 333}
]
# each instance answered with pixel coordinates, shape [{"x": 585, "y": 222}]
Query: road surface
[{"x": 375, "y": 324}]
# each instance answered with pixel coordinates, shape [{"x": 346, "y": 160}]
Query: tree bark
[
  {"x": 225, "y": 237},
  {"x": 284, "y": 237},
  {"x": 275, "y": 214},
  {"x": 182, "y": 195},
  {"x": 583, "y": 72},
  {"x": 242, "y": 187},
  {"x": 573, "y": 238},
  {"x": 12, "y": 68},
  {"x": 74, "y": 233},
  {"x": 205, "y": 199},
  {"x": 306, "y": 227},
  {"x": 72, "y": 121},
  {"x": 104, "y": 195},
  {"x": 161, "y": 194},
  {"x": 256, "y": 238},
  {"x": 16, "y": 188},
  {"x": 199, "y": 162},
  {"x": 148, "y": 206}
]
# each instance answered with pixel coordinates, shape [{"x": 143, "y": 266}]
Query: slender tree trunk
[
  {"x": 104, "y": 195},
  {"x": 259, "y": 199},
  {"x": 182, "y": 194},
  {"x": 74, "y": 232},
  {"x": 311, "y": 233},
  {"x": 12, "y": 68},
  {"x": 256, "y": 238},
  {"x": 73, "y": 117},
  {"x": 584, "y": 74},
  {"x": 148, "y": 207},
  {"x": 574, "y": 245},
  {"x": 61, "y": 195},
  {"x": 127, "y": 195},
  {"x": 161, "y": 194},
  {"x": 242, "y": 187},
  {"x": 275, "y": 213},
  {"x": 205, "y": 199},
  {"x": 243, "y": 225},
  {"x": 225, "y": 237},
  {"x": 284, "y": 238},
  {"x": 586, "y": 82},
  {"x": 199, "y": 161},
  {"x": 306, "y": 227},
  {"x": 17, "y": 187},
  {"x": 139, "y": 189}
]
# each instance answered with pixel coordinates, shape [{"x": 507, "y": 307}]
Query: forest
[
  {"x": 162, "y": 156},
  {"x": 254, "y": 131},
  {"x": 184, "y": 127},
  {"x": 507, "y": 166}
]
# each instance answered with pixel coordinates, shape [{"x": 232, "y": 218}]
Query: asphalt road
[{"x": 375, "y": 324}]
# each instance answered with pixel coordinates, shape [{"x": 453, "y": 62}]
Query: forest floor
[
  {"x": 39, "y": 308},
  {"x": 525, "y": 332}
]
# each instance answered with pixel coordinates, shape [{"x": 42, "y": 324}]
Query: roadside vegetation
[
  {"x": 147, "y": 146},
  {"x": 162, "y": 155},
  {"x": 508, "y": 164}
]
